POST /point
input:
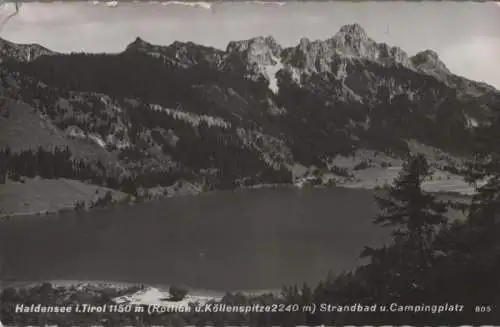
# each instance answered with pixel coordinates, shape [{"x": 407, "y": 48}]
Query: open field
[{"x": 36, "y": 196}]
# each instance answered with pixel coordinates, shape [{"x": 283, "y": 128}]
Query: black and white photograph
[{"x": 249, "y": 163}]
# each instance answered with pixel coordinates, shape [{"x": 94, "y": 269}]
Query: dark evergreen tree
[{"x": 414, "y": 213}]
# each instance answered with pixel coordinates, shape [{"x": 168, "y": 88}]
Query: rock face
[
  {"x": 21, "y": 52},
  {"x": 429, "y": 62},
  {"x": 349, "y": 45},
  {"x": 348, "y": 53},
  {"x": 180, "y": 54},
  {"x": 251, "y": 112}
]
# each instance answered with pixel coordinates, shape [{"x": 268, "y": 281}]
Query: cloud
[{"x": 204, "y": 5}]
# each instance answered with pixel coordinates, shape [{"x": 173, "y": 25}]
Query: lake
[{"x": 243, "y": 240}]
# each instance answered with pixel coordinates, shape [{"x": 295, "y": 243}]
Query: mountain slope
[
  {"x": 250, "y": 114},
  {"x": 22, "y": 52}
]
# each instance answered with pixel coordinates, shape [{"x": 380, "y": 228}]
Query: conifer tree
[{"x": 414, "y": 214}]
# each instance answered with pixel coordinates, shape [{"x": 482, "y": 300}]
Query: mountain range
[{"x": 254, "y": 113}]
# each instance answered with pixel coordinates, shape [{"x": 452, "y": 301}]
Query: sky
[{"x": 465, "y": 35}]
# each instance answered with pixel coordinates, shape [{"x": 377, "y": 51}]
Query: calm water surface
[{"x": 244, "y": 240}]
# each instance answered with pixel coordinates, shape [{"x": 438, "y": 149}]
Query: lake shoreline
[{"x": 359, "y": 185}]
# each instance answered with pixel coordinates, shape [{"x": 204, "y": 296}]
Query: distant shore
[{"x": 449, "y": 188}]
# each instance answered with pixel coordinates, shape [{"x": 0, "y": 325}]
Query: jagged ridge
[{"x": 349, "y": 44}]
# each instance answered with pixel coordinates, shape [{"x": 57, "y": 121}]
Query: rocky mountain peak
[
  {"x": 304, "y": 43},
  {"x": 350, "y": 43},
  {"x": 259, "y": 50},
  {"x": 354, "y": 31},
  {"x": 184, "y": 54},
  {"x": 387, "y": 54},
  {"x": 429, "y": 62},
  {"x": 190, "y": 53},
  {"x": 182, "y": 50},
  {"x": 352, "y": 40},
  {"x": 138, "y": 44}
]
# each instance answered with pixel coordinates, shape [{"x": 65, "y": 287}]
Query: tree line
[
  {"x": 60, "y": 163},
  {"x": 231, "y": 165}
]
